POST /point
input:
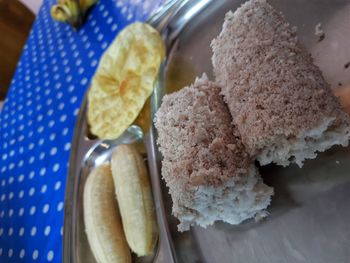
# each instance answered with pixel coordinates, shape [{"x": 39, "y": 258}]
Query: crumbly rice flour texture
[
  {"x": 209, "y": 174},
  {"x": 283, "y": 107}
]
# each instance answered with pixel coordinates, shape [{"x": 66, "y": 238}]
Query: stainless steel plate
[{"x": 309, "y": 220}]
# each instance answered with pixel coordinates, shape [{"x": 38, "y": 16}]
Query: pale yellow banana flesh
[
  {"x": 135, "y": 201},
  {"x": 102, "y": 219}
]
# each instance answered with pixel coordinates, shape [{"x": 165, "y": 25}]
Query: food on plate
[
  {"x": 135, "y": 201},
  {"x": 124, "y": 80},
  {"x": 280, "y": 102},
  {"x": 209, "y": 174},
  {"x": 102, "y": 220},
  {"x": 319, "y": 32}
]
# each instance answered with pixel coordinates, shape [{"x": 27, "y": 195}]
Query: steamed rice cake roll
[
  {"x": 209, "y": 174},
  {"x": 282, "y": 106}
]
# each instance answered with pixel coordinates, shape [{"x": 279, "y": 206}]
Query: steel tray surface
[{"x": 310, "y": 211}]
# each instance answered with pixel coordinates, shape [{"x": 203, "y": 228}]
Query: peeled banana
[
  {"x": 134, "y": 197},
  {"x": 102, "y": 220},
  {"x": 71, "y": 11}
]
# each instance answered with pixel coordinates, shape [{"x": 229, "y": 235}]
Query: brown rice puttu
[
  {"x": 209, "y": 174},
  {"x": 283, "y": 107}
]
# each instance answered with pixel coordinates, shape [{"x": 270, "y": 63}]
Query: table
[{"x": 37, "y": 124}]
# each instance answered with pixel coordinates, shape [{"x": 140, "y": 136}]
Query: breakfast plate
[{"x": 309, "y": 213}]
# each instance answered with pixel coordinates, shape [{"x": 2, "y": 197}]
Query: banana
[
  {"x": 86, "y": 4},
  {"x": 102, "y": 220},
  {"x": 72, "y": 5},
  {"x": 67, "y": 11},
  {"x": 71, "y": 11},
  {"x": 60, "y": 13},
  {"x": 134, "y": 199}
]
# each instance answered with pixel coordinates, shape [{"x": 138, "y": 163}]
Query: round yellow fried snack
[{"x": 124, "y": 80}]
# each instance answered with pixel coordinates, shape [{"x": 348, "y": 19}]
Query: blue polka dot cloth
[{"x": 37, "y": 124}]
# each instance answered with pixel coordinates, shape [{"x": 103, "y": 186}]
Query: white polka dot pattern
[{"x": 37, "y": 123}]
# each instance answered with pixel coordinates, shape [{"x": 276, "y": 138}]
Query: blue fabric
[{"x": 37, "y": 123}]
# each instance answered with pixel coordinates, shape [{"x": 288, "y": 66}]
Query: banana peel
[
  {"x": 86, "y": 4},
  {"x": 72, "y": 12}
]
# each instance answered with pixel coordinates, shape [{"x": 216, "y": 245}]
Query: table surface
[{"x": 37, "y": 124}]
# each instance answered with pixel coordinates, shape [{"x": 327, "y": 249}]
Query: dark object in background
[{"x": 15, "y": 23}]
